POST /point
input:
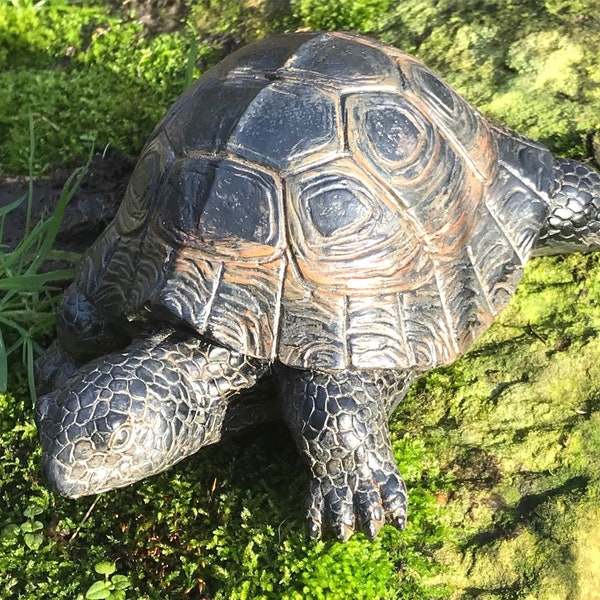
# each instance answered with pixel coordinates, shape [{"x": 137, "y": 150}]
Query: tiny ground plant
[
  {"x": 28, "y": 279},
  {"x": 32, "y": 528},
  {"x": 112, "y": 587}
]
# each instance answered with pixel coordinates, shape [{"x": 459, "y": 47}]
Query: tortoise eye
[{"x": 120, "y": 438}]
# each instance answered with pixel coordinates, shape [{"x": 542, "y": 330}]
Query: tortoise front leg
[
  {"x": 82, "y": 331},
  {"x": 339, "y": 422},
  {"x": 131, "y": 414},
  {"x": 573, "y": 223},
  {"x": 82, "y": 334}
]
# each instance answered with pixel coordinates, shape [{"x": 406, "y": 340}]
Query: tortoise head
[{"x": 117, "y": 420}]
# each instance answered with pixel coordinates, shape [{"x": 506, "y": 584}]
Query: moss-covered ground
[{"x": 501, "y": 450}]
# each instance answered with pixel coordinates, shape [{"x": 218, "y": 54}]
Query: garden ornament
[{"x": 320, "y": 213}]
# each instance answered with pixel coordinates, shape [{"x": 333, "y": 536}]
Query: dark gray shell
[{"x": 326, "y": 201}]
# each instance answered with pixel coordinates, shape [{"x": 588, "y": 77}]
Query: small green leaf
[
  {"x": 121, "y": 582},
  {"x": 10, "y": 532},
  {"x": 36, "y": 525},
  {"x": 105, "y": 568},
  {"x": 33, "y": 540},
  {"x": 33, "y": 510},
  {"x": 98, "y": 591}
]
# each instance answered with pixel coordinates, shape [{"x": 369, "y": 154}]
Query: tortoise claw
[
  {"x": 372, "y": 529},
  {"x": 339, "y": 508},
  {"x": 399, "y": 522},
  {"x": 370, "y": 510},
  {"x": 344, "y": 509},
  {"x": 344, "y": 532},
  {"x": 315, "y": 507},
  {"x": 395, "y": 500},
  {"x": 315, "y": 530}
]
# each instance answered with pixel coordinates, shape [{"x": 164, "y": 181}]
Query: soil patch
[
  {"x": 92, "y": 207},
  {"x": 157, "y": 16}
]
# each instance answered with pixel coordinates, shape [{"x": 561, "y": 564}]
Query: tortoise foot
[
  {"x": 350, "y": 503},
  {"x": 339, "y": 422}
]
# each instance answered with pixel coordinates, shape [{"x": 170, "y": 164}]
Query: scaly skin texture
[
  {"x": 573, "y": 223},
  {"x": 134, "y": 413},
  {"x": 339, "y": 422}
]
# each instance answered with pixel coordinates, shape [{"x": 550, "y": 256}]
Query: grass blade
[
  {"x": 65, "y": 255},
  {"x": 24, "y": 283},
  {"x": 30, "y": 362},
  {"x": 19, "y": 255},
  {"x": 4, "y": 210},
  {"x": 26, "y": 302},
  {"x": 30, "y": 179},
  {"x": 13, "y": 325},
  {"x": 3, "y": 365},
  {"x": 71, "y": 185}
]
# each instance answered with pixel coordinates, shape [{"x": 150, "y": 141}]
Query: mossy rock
[{"x": 523, "y": 441}]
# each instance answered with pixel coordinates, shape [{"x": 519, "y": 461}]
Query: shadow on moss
[{"x": 510, "y": 519}]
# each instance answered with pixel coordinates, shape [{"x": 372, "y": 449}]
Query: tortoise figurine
[{"x": 319, "y": 213}]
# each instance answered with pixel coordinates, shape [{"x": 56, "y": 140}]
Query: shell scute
[
  {"x": 373, "y": 245},
  {"x": 285, "y": 123},
  {"x": 461, "y": 124},
  {"x": 395, "y": 140},
  {"x": 337, "y": 59},
  {"x": 266, "y": 56},
  {"x": 204, "y": 204},
  {"x": 223, "y": 102},
  {"x": 374, "y": 338}
]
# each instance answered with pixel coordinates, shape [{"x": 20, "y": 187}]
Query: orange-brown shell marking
[{"x": 325, "y": 201}]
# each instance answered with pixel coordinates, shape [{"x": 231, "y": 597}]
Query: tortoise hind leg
[
  {"x": 339, "y": 422},
  {"x": 573, "y": 222},
  {"x": 134, "y": 413}
]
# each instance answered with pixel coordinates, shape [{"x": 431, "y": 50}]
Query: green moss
[
  {"x": 353, "y": 15},
  {"x": 521, "y": 440},
  {"x": 234, "y": 22},
  {"x": 587, "y": 553},
  {"x": 82, "y": 74},
  {"x": 228, "y": 522}
]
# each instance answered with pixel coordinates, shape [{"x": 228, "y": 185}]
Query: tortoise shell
[{"x": 322, "y": 200}]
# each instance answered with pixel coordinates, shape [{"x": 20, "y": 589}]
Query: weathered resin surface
[
  {"x": 333, "y": 206},
  {"x": 320, "y": 214}
]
